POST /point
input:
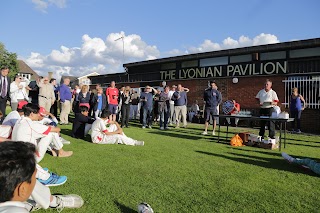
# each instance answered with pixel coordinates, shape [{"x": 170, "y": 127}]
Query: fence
[{"x": 309, "y": 88}]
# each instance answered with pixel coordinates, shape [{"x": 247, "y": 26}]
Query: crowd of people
[{"x": 33, "y": 125}]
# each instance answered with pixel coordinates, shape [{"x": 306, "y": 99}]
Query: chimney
[{"x": 50, "y": 75}]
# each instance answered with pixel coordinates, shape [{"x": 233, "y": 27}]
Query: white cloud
[
  {"x": 105, "y": 55},
  {"x": 43, "y": 5},
  {"x": 94, "y": 55},
  {"x": 230, "y": 43}
]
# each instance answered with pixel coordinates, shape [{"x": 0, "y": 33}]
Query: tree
[{"x": 9, "y": 59}]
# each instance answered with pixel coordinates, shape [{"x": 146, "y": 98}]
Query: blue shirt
[
  {"x": 99, "y": 102},
  {"x": 65, "y": 93},
  {"x": 180, "y": 98},
  {"x": 295, "y": 103},
  {"x": 149, "y": 100}
]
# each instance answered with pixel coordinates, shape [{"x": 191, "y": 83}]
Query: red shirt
[
  {"x": 113, "y": 94},
  {"x": 237, "y": 106}
]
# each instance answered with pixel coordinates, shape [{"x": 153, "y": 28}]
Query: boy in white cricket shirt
[
  {"x": 112, "y": 135},
  {"x": 28, "y": 130}
]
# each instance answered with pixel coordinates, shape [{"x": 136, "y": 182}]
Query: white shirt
[
  {"x": 11, "y": 118},
  {"x": 47, "y": 121},
  {"x": 267, "y": 98},
  {"x": 29, "y": 131},
  {"x": 97, "y": 130},
  {"x": 170, "y": 96},
  {"x": 13, "y": 207}
]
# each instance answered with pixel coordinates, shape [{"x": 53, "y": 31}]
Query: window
[
  {"x": 168, "y": 66},
  {"x": 213, "y": 61},
  {"x": 186, "y": 64},
  {"x": 309, "y": 52},
  {"x": 240, "y": 58},
  {"x": 272, "y": 56},
  {"x": 86, "y": 81},
  {"x": 308, "y": 87}
]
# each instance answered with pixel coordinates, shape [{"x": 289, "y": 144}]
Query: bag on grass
[{"x": 236, "y": 141}]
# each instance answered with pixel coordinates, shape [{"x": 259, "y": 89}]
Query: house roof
[
  {"x": 90, "y": 74},
  {"x": 24, "y": 68}
]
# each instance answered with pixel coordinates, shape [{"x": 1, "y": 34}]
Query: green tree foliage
[{"x": 9, "y": 59}]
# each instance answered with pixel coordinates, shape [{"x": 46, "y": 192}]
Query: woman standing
[
  {"x": 296, "y": 108},
  {"x": 125, "y": 107},
  {"x": 17, "y": 92},
  {"x": 98, "y": 102},
  {"x": 84, "y": 96},
  {"x": 164, "y": 108}
]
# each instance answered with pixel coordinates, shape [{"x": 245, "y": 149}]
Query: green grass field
[{"x": 182, "y": 171}]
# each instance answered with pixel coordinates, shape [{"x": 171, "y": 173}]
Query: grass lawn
[{"x": 182, "y": 171}]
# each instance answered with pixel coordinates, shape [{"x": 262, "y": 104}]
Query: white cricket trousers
[
  {"x": 51, "y": 140},
  {"x": 5, "y": 131},
  {"x": 117, "y": 138},
  {"x": 41, "y": 195}
]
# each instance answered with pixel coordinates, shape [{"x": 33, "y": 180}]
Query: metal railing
[{"x": 308, "y": 87}]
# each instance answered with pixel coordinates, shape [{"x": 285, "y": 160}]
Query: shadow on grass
[
  {"x": 68, "y": 132},
  {"x": 123, "y": 208},
  {"x": 278, "y": 164},
  {"x": 177, "y": 135}
]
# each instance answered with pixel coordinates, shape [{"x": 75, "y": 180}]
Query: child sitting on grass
[
  {"x": 113, "y": 134},
  {"x": 82, "y": 123}
]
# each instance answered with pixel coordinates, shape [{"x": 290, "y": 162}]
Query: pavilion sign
[{"x": 252, "y": 69}]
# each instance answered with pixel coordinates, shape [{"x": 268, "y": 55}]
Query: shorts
[
  {"x": 210, "y": 111},
  {"x": 113, "y": 108}
]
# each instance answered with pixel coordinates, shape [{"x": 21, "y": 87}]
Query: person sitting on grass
[
  {"x": 82, "y": 123},
  {"x": 113, "y": 134},
  {"x": 5, "y": 130},
  {"x": 40, "y": 135},
  {"x": 44, "y": 176},
  {"x": 46, "y": 118},
  {"x": 18, "y": 182},
  {"x": 305, "y": 162}
]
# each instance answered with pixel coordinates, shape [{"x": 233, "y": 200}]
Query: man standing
[
  {"x": 54, "y": 107},
  {"x": 180, "y": 105},
  {"x": 4, "y": 90},
  {"x": 46, "y": 93},
  {"x": 134, "y": 105},
  {"x": 172, "y": 118},
  {"x": 212, "y": 99},
  {"x": 146, "y": 99},
  {"x": 267, "y": 99},
  {"x": 65, "y": 99},
  {"x": 112, "y": 94}
]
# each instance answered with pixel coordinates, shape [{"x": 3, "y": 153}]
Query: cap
[
  {"x": 21, "y": 104},
  {"x": 42, "y": 111}
]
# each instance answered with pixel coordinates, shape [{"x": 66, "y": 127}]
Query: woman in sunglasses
[{"x": 17, "y": 92}]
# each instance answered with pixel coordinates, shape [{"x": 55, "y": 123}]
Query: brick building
[{"x": 239, "y": 73}]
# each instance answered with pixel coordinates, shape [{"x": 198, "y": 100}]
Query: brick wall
[{"x": 244, "y": 92}]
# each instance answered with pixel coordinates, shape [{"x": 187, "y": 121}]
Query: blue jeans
[
  {"x": 296, "y": 114},
  {"x": 164, "y": 115},
  {"x": 147, "y": 116}
]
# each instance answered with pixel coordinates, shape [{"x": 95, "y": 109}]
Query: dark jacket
[
  {"x": 84, "y": 99},
  {"x": 79, "y": 124},
  {"x": 95, "y": 103},
  {"x": 212, "y": 97},
  {"x": 8, "y": 86}
]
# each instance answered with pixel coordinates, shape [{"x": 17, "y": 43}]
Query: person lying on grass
[
  {"x": 19, "y": 189},
  {"x": 82, "y": 123},
  {"x": 305, "y": 162},
  {"x": 110, "y": 135}
]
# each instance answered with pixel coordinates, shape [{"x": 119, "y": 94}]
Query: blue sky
[{"x": 77, "y": 36}]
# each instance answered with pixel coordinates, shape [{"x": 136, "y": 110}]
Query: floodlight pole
[{"x": 122, "y": 37}]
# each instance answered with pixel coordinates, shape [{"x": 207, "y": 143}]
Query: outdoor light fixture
[{"x": 235, "y": 80}]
